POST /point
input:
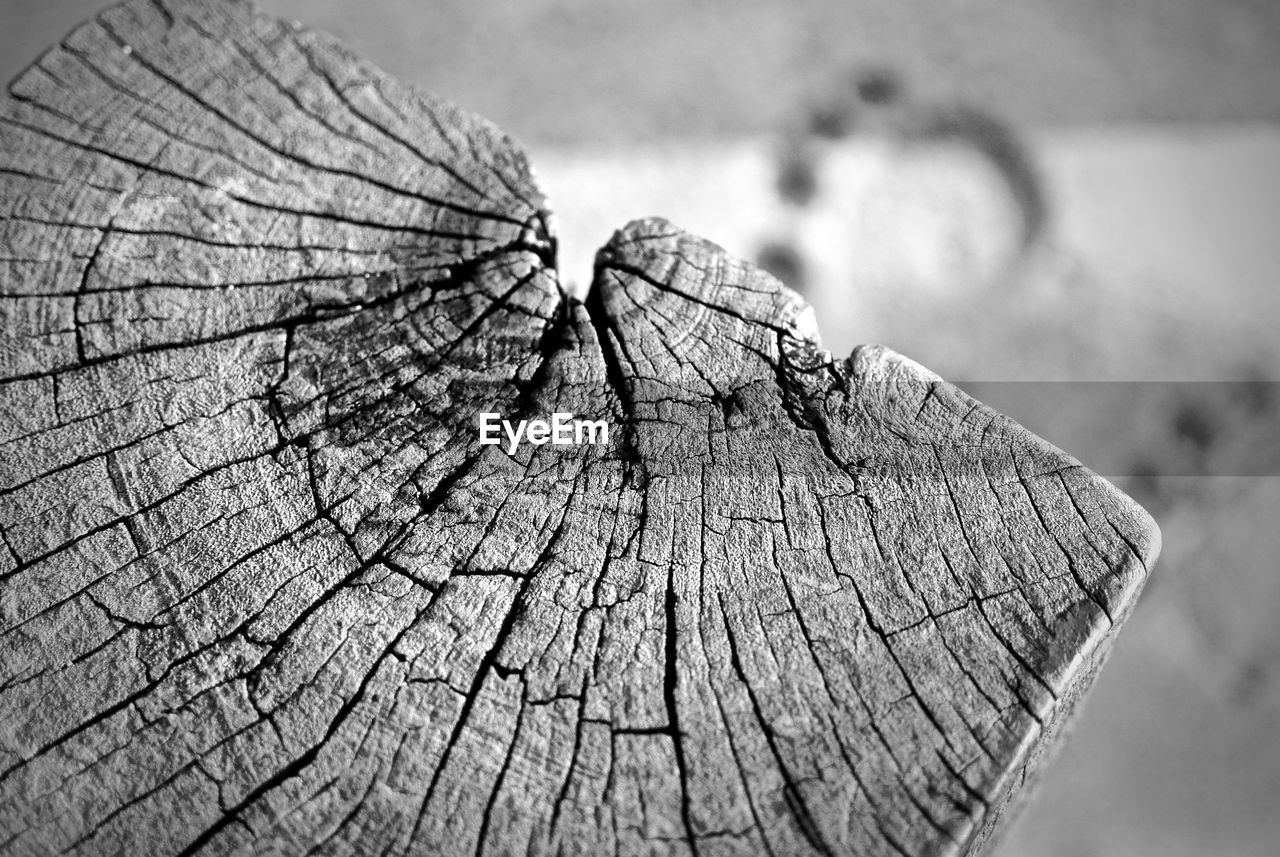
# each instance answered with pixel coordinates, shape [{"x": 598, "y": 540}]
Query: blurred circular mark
[
  {"x": 782, "y": 260},
  {"x": 878, "y": 87},
  {"x": 797, "y": 176},
  {"x": 1194, "y": 423}
]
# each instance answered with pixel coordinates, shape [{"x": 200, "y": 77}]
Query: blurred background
[{"x": 1070, "y": 209}]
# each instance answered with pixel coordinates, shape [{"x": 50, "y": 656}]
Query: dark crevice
[{"x": 795, "y": 802}]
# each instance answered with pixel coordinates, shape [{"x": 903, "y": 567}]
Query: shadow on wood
[{"x": 264, "y": 591}]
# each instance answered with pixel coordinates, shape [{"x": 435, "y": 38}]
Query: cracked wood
[{"x": 263, "y": 591}]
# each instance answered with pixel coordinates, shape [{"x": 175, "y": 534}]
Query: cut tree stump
[{"x": 262, "y": 590}]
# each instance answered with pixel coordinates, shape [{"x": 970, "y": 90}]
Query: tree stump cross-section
[{"x": 263, "y": 591}]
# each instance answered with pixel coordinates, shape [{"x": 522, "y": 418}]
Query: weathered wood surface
[{"x": 262, "y": 591}]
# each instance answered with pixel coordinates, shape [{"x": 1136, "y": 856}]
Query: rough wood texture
[{"x": 262, "y": 591}]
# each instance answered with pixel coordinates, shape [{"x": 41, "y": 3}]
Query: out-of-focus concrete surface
[
  {"x": 1161, "y": 260},
  {"x": 1154, "y": 130},
  {"x": 573, "y": 70}
]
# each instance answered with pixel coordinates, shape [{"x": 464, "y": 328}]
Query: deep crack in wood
[{"x": 263, "y": 591}]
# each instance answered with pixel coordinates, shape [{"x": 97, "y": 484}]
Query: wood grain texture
[{"x": 263, "y": 592}]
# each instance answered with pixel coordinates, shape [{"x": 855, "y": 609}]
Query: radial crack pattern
[{"x": 263, "y": 590}]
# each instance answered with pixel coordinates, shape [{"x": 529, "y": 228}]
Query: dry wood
[{"x": 263, "y": 591}]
